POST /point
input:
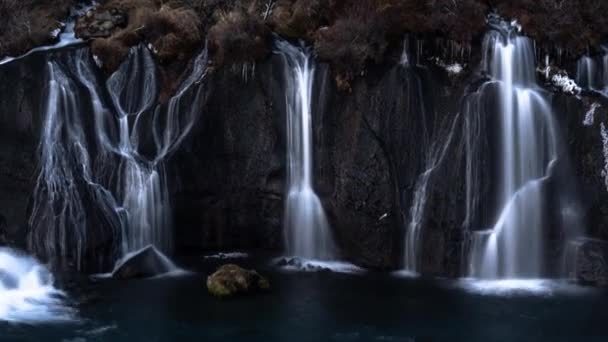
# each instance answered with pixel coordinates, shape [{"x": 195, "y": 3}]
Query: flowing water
[
  {"x": 434, "y": 158},
  {"x": 112, "y": 174},
  {"x": 592, "y": 72},
  {"x": 27, "y": 294},
  {"x": 513, "y": 247},
  {"x": 307, "y": 230}
]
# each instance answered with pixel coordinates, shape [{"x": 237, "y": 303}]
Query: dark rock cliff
[{"x": 373, "y": 139}]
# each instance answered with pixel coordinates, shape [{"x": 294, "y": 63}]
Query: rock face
[
  {"x": 588, "y": 261},
  {"x": 376, "y": 134},
  {"x": 148, "y": 262},
  {"x": 230, "y": 280}
]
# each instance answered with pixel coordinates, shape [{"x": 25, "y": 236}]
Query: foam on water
[
  {"x": 294, "y": 264},
  {"x": 27, "y": 294},
  {"x": 521, "y": 287},
  {"x": 228, "y": 255}
]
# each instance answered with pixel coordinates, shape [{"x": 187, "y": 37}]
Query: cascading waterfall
[
  {"x": 120, "y": 176},
  {"x": 307, "y": 229},
  {"x": 513, "y": 247},
  {"x": 142, "y": 183},
  {"x": 66, "y": 181}
]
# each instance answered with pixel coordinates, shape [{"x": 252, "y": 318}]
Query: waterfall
[
  {"x": 307, "y": 230},
  {"x": 513, "y": 247},
  {"x": 586, "y": 73},
  {"x": 592, "y": 72},
  {"x": 113, "y": 172},
  {"x": 67, "y": 184},
  {"x": 434, "y": 157}
]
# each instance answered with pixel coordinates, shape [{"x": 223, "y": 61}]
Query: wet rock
[
  {"x": 590, "y": 261},
  {"x": 148, "y": 262},
  {"x": 231, "y": 279}
]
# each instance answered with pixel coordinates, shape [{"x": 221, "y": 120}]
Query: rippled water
[{"x": 323, "y": 306}]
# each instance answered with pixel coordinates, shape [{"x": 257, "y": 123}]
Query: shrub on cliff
[
  {"x": 239, "y": 36},
  {"x": 300, "y": 18},
  {"x": 173, "y": 33},
  {"x": 573, "y": 25}
]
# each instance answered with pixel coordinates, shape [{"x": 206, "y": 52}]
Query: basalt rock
[
  {"x": 148, "y": 262},
  {"x": 588, "y": 261}
]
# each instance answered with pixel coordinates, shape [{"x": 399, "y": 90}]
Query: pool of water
[{"x": 324, "y": 306}]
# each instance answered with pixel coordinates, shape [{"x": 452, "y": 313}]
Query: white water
[
  {"x": 307, "y": 229},
  {"x": 125, "y": 188},
  {"x": 513, "y": 247},
  {"x": 27, "y": 294}
]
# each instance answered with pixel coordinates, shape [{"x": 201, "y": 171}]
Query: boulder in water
[
  {"x": 145, "y": 263},
  {"x": 231, "y": 279},
  {"x": 590, "y": 261}
]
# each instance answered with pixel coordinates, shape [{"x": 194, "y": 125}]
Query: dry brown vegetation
[
  {"x": 239, "y": 36},
  {"x": 349, "y": 34},
  {"x": 25, "y": 24},
  {"x": 173, "y": 31},
  {"x": 574, "y": 25}
]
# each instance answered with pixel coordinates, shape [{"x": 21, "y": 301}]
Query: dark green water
[{"x": 322, "y": 307}]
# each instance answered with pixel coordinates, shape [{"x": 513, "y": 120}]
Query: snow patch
[
  {"x": 98, "y": 61},
  {"x": 566, "y": 84},
  {"x": 452, "y": 69},
  {"x": 55, "y": 33},
  {"x": 590, "y": 115},
  {"x": 152, "y": 48}
]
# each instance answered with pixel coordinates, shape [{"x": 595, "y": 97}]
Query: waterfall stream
[
  {"x": 434, "y": 158},
  {"x": 513, "y": 247},
  {"x": 113, "y": 174},
  {"x": 307, "y": 229}
]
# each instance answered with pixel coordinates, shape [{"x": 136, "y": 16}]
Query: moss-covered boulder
[{"x": 231, "y": 279}]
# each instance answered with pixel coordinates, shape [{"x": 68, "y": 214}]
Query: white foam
[
  {"x": 405, "y": 274},
  {"x": 308, "y": 265},
  {"x": 514, "y": 287},
  {"x": 229, "y": 255},
  {"x": 27, "y": 294}
]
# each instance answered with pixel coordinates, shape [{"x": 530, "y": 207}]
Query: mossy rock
[{"x": 230, "y": 280}]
